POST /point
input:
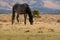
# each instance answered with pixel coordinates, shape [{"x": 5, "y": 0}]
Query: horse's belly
[{"x": 21, "y": 13}]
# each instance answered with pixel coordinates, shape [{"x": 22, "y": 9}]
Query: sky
[{"x": 41, "y": 5}]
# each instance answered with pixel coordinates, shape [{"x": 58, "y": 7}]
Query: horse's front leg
[
  {"x": 25, "y": 16},
  {"x": 17, "y": 17}
]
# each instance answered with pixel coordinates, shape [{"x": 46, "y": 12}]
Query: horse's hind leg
[
  {"x": 13, "y": 16},
  {"x": 17, "y": 18},
  {"x": 25, "y": 16}
]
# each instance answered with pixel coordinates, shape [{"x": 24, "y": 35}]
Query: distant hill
[
  {"x": 5, "y": 11},
  {"x": 43, "y": 11},
  {"x": 46, "y": 10}
]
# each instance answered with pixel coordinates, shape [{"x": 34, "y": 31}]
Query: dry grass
[{"x": 42, "y": 27}]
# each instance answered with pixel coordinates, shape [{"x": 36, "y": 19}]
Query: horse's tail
[
  {"x": 30, "y": 15},
  {"x": 13, "y": 15}
]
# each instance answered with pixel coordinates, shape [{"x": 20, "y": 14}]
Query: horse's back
[{"x": 20, "y": 8}]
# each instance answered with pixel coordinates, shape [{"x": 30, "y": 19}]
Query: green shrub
[{"x": 36, "y": 13}]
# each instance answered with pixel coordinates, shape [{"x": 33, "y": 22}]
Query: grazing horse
[{"x": 22, "y": 9}]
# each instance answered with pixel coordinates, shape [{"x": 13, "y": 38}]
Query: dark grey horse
[{"x": 22, "y": 9}]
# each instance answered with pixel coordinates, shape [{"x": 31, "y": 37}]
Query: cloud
[
  {"x": 7, "y": 4},
  {"x": 32, "y": 2},
  {"x": 4, "y": 5},
  {"x": 51, "y": 4}
]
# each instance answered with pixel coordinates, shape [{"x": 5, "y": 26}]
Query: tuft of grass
[
  {"x": 27, "y": 31},
  {"x": 40, "y": 31},
  {"x": 51, "y": 30},
  {"x": 3, "y": 20},
  {"x": 37, "y": 16},
  {"x": 58, "y": 20}
]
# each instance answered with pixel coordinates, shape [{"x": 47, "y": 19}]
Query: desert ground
[{"x": 45, "y": 27}]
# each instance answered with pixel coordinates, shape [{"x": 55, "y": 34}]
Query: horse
[{"x": 22, "y": 9}]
